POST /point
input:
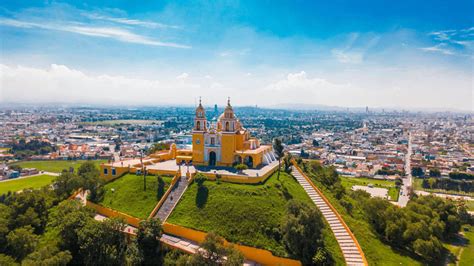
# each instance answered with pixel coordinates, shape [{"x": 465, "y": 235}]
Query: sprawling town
[{"x": 359, "y": 144}]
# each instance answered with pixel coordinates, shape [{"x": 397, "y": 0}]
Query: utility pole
[{"x": 143, "y": 171}]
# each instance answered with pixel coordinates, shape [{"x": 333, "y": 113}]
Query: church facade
[{"x": 225, "y": 142}]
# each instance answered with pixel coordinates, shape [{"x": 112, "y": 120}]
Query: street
[{"x": 407, "y": 180}]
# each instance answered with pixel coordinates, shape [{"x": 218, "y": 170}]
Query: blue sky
[{"x": 404, "y": 54}]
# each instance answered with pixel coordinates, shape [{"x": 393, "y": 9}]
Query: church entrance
[{"x": 212, "y": 158}]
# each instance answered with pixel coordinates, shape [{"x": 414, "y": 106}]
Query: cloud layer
[{"x": 59, "y": 83}]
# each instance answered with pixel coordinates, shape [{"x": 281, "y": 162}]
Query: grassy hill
[
  {"x": 14, "y": 185},
  {"x": 126, "y": 194},
  {"x": 246, "y": 214},
  {"x": 55, "y": 166}
]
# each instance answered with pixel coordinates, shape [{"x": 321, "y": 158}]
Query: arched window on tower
[
  {"x": 198, "y": 125},
  {"x": 227, "y": 126}
]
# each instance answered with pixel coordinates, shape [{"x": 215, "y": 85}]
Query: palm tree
[{"x": 278, "y": 149}]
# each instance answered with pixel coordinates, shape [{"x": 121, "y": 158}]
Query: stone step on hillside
[
  {"x": 172, "y": 199},
  {"x": 348, "y": 247}
]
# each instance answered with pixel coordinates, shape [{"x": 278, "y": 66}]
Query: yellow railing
[
  {"x": 339, "y": 217},
  {"x": 261, "y": 256}
]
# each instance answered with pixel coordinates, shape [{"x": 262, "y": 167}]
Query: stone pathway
[
  {"x": 348, "y": 246},
  {"x": 172, "y": 199}
]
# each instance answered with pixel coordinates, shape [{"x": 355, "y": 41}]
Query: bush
[
  {"x": 199, "y": 179},
  {"x": 240, "y": 167}
]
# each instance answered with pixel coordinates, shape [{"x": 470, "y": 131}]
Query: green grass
[
  {"x": 376, "y": 251},
  {"x": 393, "y": 191},
  {"x": 461, "y": 251},
  {"x": 128, "y": 196},
  {"x": 467, "y": 254},
  {"x": 470, "y": 205},
  {"x": 56, "y": 166},
  {"x": 28, "y": 182},
  {"x": 417, "y": 185},
  {"x": 245, "y": 214}
]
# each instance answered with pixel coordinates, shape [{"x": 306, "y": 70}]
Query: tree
[
  {"x": 315, "y": 143},
  {"x": 5, "y": 220},
  {"x": 157, "y": 147},
  {"x": 233, "y": 256},
  {"x": 160, "y": 191},
  {"x": 68, "y": 218},
  {"x": 240, "y": 167},
  {"x": 279, "y": 152},
  {"x": 66, "y": 183},
  {"x": 48, "y": 255},
  {"x": 21, "y": 242},
  {"x": 88, "y": 169},
  {"x": 417, "y": 171},
  {"x": 102, "y": 243},
  {"x": 214, "y": 252},
  {"x": 302, "y": 231},
  {"x": 7, "y": 260},
  {"x": 30, "y": 208},
  {"x": 287, "y": 162},
  {"x": 199, "y": 179},
  {"x": 434, "y": 172},
  {"x": 430, "y": 249},
  {"x": 133, "y": 255},
  {"x": 148, "y": 239}
]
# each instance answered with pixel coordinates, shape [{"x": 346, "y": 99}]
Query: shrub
[{"x": 240, "y": 167}]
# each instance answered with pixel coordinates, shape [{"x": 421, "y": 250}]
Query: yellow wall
[
  {"x": 119, "y": 171},
  {"x": 241, "y": 178},
  {"x": 113, "y": 213},
  {"x": 260, "y": 256},
  {"x": 198, "y": 149},
  {"x": 239, "y": 142},
  {"x": 227, "y": 149}
]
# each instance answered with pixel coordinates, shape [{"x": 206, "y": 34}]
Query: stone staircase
[
  {"x": 172, "y": 199},
  {"x": 351, "y": 253}
]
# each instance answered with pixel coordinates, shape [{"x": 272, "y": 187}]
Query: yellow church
[{"x": 226, "y": 142}]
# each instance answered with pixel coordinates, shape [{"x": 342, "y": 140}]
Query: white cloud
[
  {"x": 439, "y": 48},
  {"x": 452, "y": 42},
  {"x": 118, "y": 34},
  {"x": 373, "y": 86},
  {"x": 132, "y": 22},
  {"x": 182, "y": 77},
  {"x": 59, "y": 83},
  {"x": 299, "y": 88},
  {"x": 347, "y": 57}
]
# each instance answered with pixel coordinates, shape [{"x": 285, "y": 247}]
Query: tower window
[
  {"x": 227, "y": 126},
  {"x": 213, "y": 142},
  {"x": 198, "y": 125}
]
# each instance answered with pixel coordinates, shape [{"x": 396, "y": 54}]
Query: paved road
[
  {"x": 408, "y": 179},
  {"x": 351, "y": 253},
  {"x": 28, "y": 176}
]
